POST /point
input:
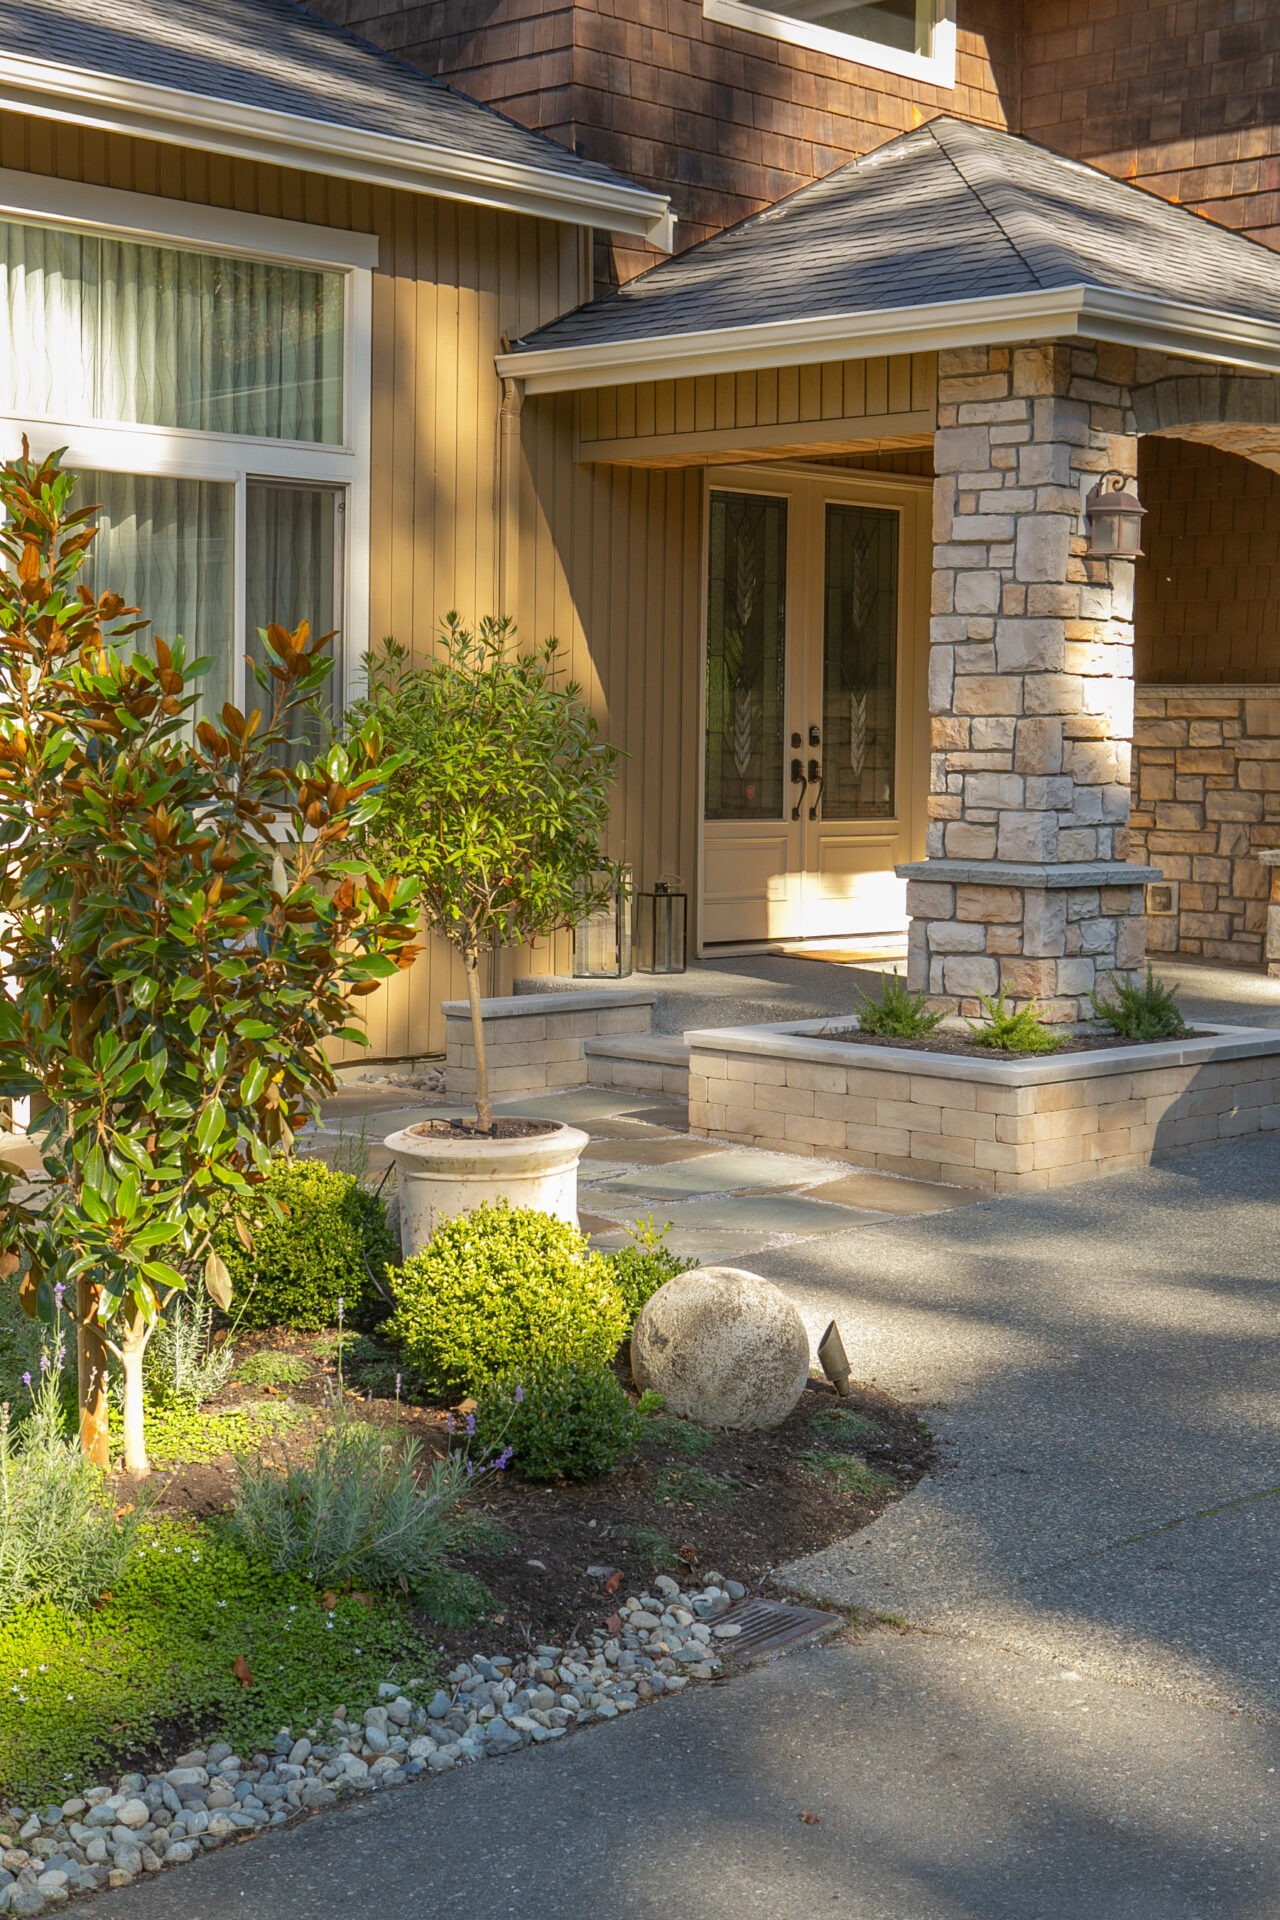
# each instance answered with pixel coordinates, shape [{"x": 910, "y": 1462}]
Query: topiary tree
[
  {"x": 184, "y": 927},
  {"x": 500, "y": 798}
]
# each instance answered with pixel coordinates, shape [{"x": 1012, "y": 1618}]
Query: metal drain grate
[{"x": 769, "y": 1625}]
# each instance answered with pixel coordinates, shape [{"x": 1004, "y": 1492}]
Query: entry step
[{"x": 644, "y": 1063}]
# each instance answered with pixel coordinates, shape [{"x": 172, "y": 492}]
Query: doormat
[{"x": 871, "y": 955}]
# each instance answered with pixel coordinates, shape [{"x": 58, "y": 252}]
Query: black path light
[{"x": 1114, "y": 519}]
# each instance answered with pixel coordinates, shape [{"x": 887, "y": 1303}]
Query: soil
[
  {"x": 953, "y": 1044},
  {"x": 503, "y": 1128},
  {"x": 690, "y": 1502}
]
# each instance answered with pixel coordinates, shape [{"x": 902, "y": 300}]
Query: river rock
[{"x": 723, "y": 1347}]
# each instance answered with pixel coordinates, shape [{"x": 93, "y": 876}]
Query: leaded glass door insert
[
  {"x": 746, "y": 656},
  {"x": 860, "y": 662}
]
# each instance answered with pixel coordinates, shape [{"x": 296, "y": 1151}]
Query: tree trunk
[
  {"x": 91, "y": 1369},
  {"x": 133, "y": 1344},
  {"x": 484, "y": 1112}
]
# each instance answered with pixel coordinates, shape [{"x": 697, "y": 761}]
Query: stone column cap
[{"x": 1031, "y": 873}]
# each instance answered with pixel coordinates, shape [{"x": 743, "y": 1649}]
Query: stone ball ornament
[{"x": 723, "y": 1347}]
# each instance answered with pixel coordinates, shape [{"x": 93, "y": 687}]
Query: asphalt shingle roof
[
  {"x": 948, "y": 212},
  {"x": 276, "y": 55}
]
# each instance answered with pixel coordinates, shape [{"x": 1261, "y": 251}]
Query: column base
[{"x": 1041, "y": 934}]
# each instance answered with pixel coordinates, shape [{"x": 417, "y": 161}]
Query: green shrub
[
  {"x": 267, "y": 1369},
  {"x": 640, "y": 1269},
  {"x": 504, "y": 1289},
  {"x": 353, "y": 1512},
  {"x": 81, "y": 1694},
  {"x": 1140, "y": 1012},
  {"x": 1020, "y": 1032},
  {"x": 182, "y": 1367},
  {"x": 571, "y": 1421},
  {"x": 60, "y": 1540},
  {"x": 316, "y": 1233},
  {"x": 898, "y": 1014}
]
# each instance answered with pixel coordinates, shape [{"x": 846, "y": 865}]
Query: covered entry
[{"x": 816, "y": 631}]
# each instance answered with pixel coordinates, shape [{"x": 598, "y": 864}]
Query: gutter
[
  {"x": 1095, "y": 313},
  {"x": 179, "y": 118}
]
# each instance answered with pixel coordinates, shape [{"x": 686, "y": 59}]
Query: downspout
[{"x": 509, "y": 495}]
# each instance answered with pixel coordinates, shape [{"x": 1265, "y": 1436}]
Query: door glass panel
[
  {"x": 166, "y": 545},
  {"x": 292, "y": 560},
  {"x": 746, "y": 656},
  {"x": 860, "y": 663}
]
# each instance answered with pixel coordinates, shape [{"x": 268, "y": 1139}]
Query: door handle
[
  {"x": 815, "y": 738},
  {"x": 798, "y": 780},
  {"x": 816, "y": 776}
]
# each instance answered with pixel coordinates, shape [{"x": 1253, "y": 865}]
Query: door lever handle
[
  {"x": 816, "y": 777},
  {"x": 798, "y": 780}
]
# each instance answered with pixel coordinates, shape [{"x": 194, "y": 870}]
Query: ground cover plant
[
  {"x": 317, "y": 1237},
  {"x": 1146, "y": 1011},
  {"x": 184, "y": 929},
  {"x": 1007, "y": 1031},
  {"x": 497, "y": 811},
  {"x": 898, "y": 1014}
]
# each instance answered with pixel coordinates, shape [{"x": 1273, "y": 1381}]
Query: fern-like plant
[
  {"x": 1008, "y": 1032},
  {"x": 1144, "y": 1012},
  {"x": 898, "y": 1014}
]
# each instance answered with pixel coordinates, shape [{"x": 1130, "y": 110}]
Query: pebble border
[{"x": 488, "y": 1705}]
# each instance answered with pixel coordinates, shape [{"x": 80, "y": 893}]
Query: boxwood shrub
[
  {"x": 307, "y": 1258},
  {"x": 561, "y": 1420},
  {"x": 504, "y": 1288}
]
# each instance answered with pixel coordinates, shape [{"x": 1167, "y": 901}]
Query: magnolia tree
[
  {"x": 184, "y": 926},
  {"x": 499, "y": 801}
]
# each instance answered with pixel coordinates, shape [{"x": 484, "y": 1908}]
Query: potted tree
[{"x": 495, "y": 814}]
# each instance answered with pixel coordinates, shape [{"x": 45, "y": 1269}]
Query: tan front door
[{"x": 816, "y": 626}]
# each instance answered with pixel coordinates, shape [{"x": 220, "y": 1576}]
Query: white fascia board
[
  {"x": 115, "y": 105},
  {"x": 995, "y": 320}
]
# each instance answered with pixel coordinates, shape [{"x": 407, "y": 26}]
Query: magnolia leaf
[
  {"x": 217, "y": 1282},
  {"x": 243, "y": 1232}
]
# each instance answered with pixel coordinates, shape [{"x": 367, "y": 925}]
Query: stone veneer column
[{"x": 1026, "y": 890}]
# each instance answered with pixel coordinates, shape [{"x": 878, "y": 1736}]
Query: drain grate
[{"x": 769, "y": 1625}]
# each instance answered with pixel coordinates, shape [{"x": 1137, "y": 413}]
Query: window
[
  {"x": 911, "y": 37},
  {"x": 214, "y": 401}
]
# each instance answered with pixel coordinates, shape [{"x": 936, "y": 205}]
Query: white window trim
[
  {"x": 936, "y": 69},
  {"x": 184, "y": 453}
]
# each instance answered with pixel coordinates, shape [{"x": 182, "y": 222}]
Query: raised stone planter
[
  {"x": 1005, "y": 1125},
  {"x": 536, "y": 1042}
]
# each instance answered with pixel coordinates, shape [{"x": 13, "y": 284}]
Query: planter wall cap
[
  {"x": 520, "y": 1006},
  {"x": 815, "y": 1041},
  {"x": 1002, "y": 873},
  {"x": 1268, "y": 856}
]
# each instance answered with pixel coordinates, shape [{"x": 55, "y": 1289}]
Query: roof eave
[
  {"x": 179, "y": 118},
  {"x": 1137, "y": 320}
]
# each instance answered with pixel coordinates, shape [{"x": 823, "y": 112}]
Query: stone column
[{"x": 1026, "y": 890}]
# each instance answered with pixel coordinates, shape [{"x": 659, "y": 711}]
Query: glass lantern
[
  {"x": 602, "y": 935},
  {"x": 1114, "y": 519},
  {"x": 662, "y": 928}
]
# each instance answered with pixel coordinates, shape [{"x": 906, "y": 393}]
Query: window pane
[
  {"x": 860, "y": 663},
  {"x": 292, "y": 573},
  {"x": 746, "y": 656},
  {"x": 905, "y": 24},
  {"x": 95, "y": 328},
  {"x": 167, "y": 546}
]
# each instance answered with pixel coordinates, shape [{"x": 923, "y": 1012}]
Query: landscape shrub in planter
[
  {"x": 316, "y": 1233},
  {"x": 504, "y": 1288}
]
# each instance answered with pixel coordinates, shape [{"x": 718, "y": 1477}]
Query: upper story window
[{"x": 915, "y": 38}]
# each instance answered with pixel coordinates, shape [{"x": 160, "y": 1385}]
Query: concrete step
[{"x": 642, "y": 1063}]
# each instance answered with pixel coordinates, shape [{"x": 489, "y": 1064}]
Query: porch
[{"x": 883, "y": 724}]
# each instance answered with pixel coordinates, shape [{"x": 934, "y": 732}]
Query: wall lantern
[
  {"x": 602, "y": 935},
  {"x": 1114, "y": 519},
  {"x": 662, "y": 931}
]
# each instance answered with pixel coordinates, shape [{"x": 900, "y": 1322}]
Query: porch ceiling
[{"x": 951, "y": 235}]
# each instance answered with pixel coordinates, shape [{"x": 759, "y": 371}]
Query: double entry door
[{"x": 816, "y": 624}]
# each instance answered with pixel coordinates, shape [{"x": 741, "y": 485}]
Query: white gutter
[
  {"x": 1138, "y": 320},
  {"x": 114, "y": 105}
]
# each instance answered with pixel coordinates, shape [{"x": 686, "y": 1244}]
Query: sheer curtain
[
  {"x": 292, "y": 574},
  {"x": 167, "y": 546},
  {"x": 97, "y": 328}
]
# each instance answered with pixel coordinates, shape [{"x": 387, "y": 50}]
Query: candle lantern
[
  {"x": 662, "y": 927},
  {"x": 602, "y": 947}
]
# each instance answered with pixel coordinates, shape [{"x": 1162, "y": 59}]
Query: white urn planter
[{"x": 443, "y": 1171}]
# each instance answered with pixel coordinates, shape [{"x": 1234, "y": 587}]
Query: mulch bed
[
  {"x": 690, "y": 1503},
  {"x": 952, "y": 1043}
]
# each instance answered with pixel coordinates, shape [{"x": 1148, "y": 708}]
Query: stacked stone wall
[{"x": 1206, "y": 802}]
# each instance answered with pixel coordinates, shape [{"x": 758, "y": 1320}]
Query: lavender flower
[
  {"x": 471, "y": 1426},
  {"x": 503, "y": 1460},
  {"x": 44, "y": 1363},
  {"x": 60, "y": 1287},
  {"x": 26, "y": 1379},
  {"x": 519, "y": 1395}
]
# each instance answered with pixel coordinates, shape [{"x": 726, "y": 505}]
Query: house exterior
[{"x": 804, "y": 499}]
